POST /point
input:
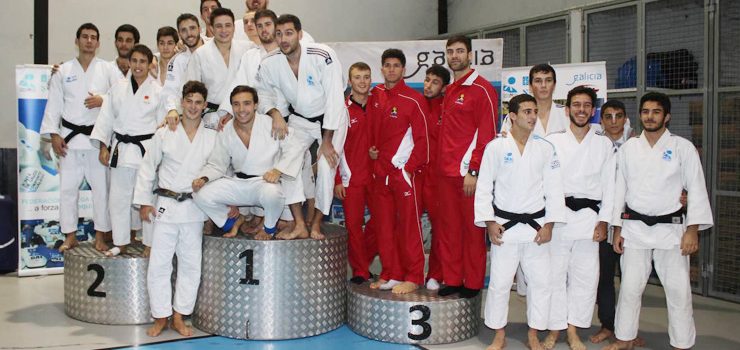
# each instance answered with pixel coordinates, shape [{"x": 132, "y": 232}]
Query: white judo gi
[
  {"x": 558, "y": 121},
  {"x": 590, "y": 168},
  {"x": 126, "y": 114},
  {"x": 650, "y": 181},
  {"x": 172, "y": 162},
  {"x": 68, "y": 89},
  {"x": 523, "y": 184},
  {"x": 261, "y": 156},
  {"x": 208, "y": 66},
  {"x": 176, "y": 77},
  {"x": 318, "y": 90}
]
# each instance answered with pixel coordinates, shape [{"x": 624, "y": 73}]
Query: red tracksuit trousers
[
  {"x": 431, "y": 203},
  {"x": 362, "y": 242}
]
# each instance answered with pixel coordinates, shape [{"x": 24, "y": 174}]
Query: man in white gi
[
  {"x": 75, "y": 97},
  {"x": 172, "y": 161},
  {"x": 189, "y": 30},
  {"x": 246, "y": 145},
  {"x": 126, "y": 37},
  {"x": 128, "y": 119},
  {"x": 651, "y": 224},
  {"x": 216, "y": 62},
  {"x": 206, "y": 8},
  {"x": 307, "y": 80},
  {"x": 587, "y": 156},
  {"x": 167, "y": 39},
  {"x": 551, "y": 116},
  {"x": 518, "y": 198}
]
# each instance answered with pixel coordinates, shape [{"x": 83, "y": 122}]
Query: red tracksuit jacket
[
  {"x": 469, "y": 113},
  {"x": 356, "y": 166}
]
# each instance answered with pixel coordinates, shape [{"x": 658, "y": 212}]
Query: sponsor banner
[
  {"x": 38, "y": 181},
  {"x": 515, "y": 81}
]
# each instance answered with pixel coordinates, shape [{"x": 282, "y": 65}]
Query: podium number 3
[
  {"x": 98, "y": 280},
  {"x": 248, "y": 256},
  {"x": 426, "y": 327}
]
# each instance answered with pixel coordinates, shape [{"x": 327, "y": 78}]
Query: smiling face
[
  {"x": 581, "y": 109},
  {"x": 193, "y": 105},
  {"x": 243, "y": 106},
  {"x": 254, "y": 5},
  {"x": 359, "y": 81},
  {"x": 526, "y": 118},
  {"x": 189, "y": 31},
  {"x": 223, "y": 29},
  {"x": 139, "y": 65}
]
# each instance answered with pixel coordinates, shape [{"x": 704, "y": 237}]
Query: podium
[
  {"x": 106, "y": 290},
  {"x": 421, "y": 317},
  {"x": 273, "y": 289}
]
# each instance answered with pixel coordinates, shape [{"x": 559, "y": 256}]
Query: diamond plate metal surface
[
  {"x": 300, "y": 291},
  {"x": 418, "y": 318},
  {"x": 104, "y": 290}
]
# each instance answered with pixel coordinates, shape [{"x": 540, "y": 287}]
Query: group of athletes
[{"x": 559, "y": 197}]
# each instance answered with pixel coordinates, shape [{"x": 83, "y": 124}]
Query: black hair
[
  {"x": 202, "y": 1},
  {"x": 195, "y": 86},
  {"x": 659, "y": 97},
  {"x": 460, "y": 39},
  {"x": 221, "y": 12},
  {"x": 613, "y": 104},
  {"x": 542, "y": 68},
  {"x": 265, "y": 13},
  {"x": 185, "y": 17},
  {"x": 127, "y": 28},
  {"x": 88, "y": 26},
  {"x": 439, "y": 71},
  {"x": 578, "y": 90},
  {"x": 288, "y": 18},
  {"x": 518, "y": 100},
  {"x": 168, "y": 31},
  {"x": 393, "y": 53},
  {"x": 144, "y": 50}
]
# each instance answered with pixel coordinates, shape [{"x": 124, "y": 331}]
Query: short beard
[
  {"x": 660, "y": 126},
  {"x": 573, "y": 120}
]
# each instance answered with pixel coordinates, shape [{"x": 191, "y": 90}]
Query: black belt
[
  {"x": 76, "y": 129},
  {"x": 178, "y": 196},
  {"x": 515, "y": 218},
  {"x": 576, "y": 204},
  {"x": 210, "y": 108},
  {"x": 672, "y": 218},
  {"x": 136, "y": 140},
  {"x": 319, "y": 119},
  {"x": 244, "y": 176}
]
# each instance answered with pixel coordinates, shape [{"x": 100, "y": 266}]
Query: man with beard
[
  {"x": 206, "y": 8},
  {"x": 587, "y": 156},
  {"x": 651, "y": 224},
  {"x": 258, "y": 5},
  {"x": 189, "y": 29},
  {"x": 307, "y": 82},
  {"x": 469, "y": 114},
  {"x": 126, "y": 37}
]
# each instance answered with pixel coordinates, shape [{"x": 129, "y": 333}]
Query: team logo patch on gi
[
  {"x": 309, "y": 80},
  {"x": 508, "y": 158},
  {"x": 460, "y": 99},
  {"x": 667, "y": 155},
  {"x": 394, "y": 112},
  {"x": 555, "y": 164},
  {"x": 70, "y": 79}
]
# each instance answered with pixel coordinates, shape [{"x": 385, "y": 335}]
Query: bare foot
[
  {"x": 499, "y": 341},
  {"x": 179, "y": 325},
  {"x": 405, "y": 288},
  {"x": 115, "y": 251},
  {"x": 208, "y": 227},
  {"x": 157, "y": 328},
  {"x": 300, "y": 232},
  {"x": 638, "y": 342},
  {"x": 70, "y": 241},
  {"x": 100, "y": 244},
  {"x": 574, "y": 341},
  {"x": 285, "y": 227},
  {"x": 620, "y": 345},
  {"x": 550, "y": 340},
  {"x": 252, "y": 226},
  {"x": 601, "y": 335},
  {"x": 147, "y": 251},
  {"x": 533, "y": 342},
  {"x": 378, "y": 283},
  {"x": 316, "y": 232},
  {"x": 262, "y": 235},
  {"x": 235, "y": 229}
]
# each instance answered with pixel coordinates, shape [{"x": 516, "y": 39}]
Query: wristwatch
[{"x": 473, "y": 172}]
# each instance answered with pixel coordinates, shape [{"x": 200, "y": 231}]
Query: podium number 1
[
  {"x": 426, "y": 327},
  {"x": 248, "y": 256}
]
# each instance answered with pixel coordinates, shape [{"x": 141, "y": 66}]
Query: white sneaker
[
  {"x": 389, "y": 285},
  {"x": 432, "y": 284}
]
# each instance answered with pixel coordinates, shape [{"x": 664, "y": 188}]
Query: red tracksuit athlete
[
  {"x": 354, "y": 173},
  {"x": 469, "y": 112},
  {"x": 430, "y": 196},
  {"x": 399, "y": 128}
]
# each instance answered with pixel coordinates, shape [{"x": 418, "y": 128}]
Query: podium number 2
[
  {"x": 426, "y": 327},
  {"x": 98, "y": 279},
  {"x": 248, "y": 256}
]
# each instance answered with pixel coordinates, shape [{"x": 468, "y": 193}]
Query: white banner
[
  {"x": 38, "y": 182},
  {"x": 592, "y": 74},
  {"x": 420, "y": 55}
]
